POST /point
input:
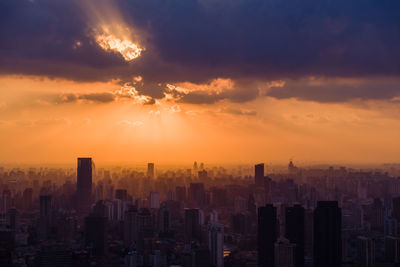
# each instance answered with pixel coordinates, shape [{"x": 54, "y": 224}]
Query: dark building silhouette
[
  {"x": 13, "y": 219},
  {"x": 267, "y": 235},
  {"x": 131, "y": 226},
  {"x": 121, "y": 194},
  {"x": 197, "y": 194},
  {"x": 95, "y": 234},
  {"x": 180, "y": 193},
  {"x": 192, "y": 225},
  {"x": 396, "y": 208},
  {"x": 327, "y": 234},
  {"x": 27, "y": 198},
  {"x": 294, "y": 231},
  {"x": 84, "y": 184},
  {"x": 45, "y": 217},
  {"x": 164, "y": 219},
  {"x": 259, "y": 174},
  {"x": 150, "y": 170}
]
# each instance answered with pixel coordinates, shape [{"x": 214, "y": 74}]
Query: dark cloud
[
  {"x": 337, "y": 91},
  {"x": 93, "y": 97},
  {"x": 198, "y": 40}
]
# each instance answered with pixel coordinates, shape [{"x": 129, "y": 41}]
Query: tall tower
[
  {"x": 216, "y": 244},
  {"x": 327, "y": 234},
  {"x": 267, "y": 235},
  {"x": 294, "y": 231},
  {"x": 259, "y": 174},
  {"x": 84, "y": 184},
  {"x": 150, "y": 170}
]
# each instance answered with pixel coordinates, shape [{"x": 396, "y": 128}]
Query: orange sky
[{"x": 37, "y": 127}]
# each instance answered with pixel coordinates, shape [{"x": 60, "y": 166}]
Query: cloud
[
  {"x": 93, "y": 97},
  {"x": 336, "y": 90},
  {"x": 130, "y": 123},
  {"x": 198, "y": 41}
]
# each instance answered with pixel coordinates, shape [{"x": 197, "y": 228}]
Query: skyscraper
[
  {"x": 259, "y": 174},
  {"x": 284, "y": 253},
  {"x": 192, "y": 224},
  {"x": 150, "y": 170},
  {"x": 365, "y": 251},
  {"x": 267, "y": 235},
  {"x": 216, "y": 244},
  {"x": 45, "y": 216},
  {"x": 294, "y": 231},
  {"x": 327, "y": 234},
  {"x": 84, "y": 184}
]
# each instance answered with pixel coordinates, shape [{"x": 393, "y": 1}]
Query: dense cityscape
[{"x": 200, "y": 216}]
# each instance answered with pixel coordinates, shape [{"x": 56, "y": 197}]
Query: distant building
[
  {"x": 365, "y": 251},
  {"x": 259, "y": 175},
  {"x": 294, "y": 231},
  {"x": 284, "y": 253},
  {"x": 327, "y": 235},
  {"x": 95, "y": 234},
  {"x": 150, "y": 170},
  {"x": 84, "y": 184},
  {"x": 267, "y": 235},
  {"x": 154, "y": 200},
  {"x": 192, "y": 225},
  {"x": 216, "y": 244}
]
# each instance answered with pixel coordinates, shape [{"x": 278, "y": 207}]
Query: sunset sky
[{"x": 218, "y": 81}]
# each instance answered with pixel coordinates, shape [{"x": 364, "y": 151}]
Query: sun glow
[{"x": 126, "y": 48}]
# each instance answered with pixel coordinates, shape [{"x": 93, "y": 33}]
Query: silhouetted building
[
  {"x": 294, "y": 231},
  {"x": 121, "y": 194},
  {"x": 192, "y": 225},
  {"x": 45, "y": 217},
  {"x": 327, "y": 234},
  {"x": 131, "y": 226},
  {"x": 95, "y": 234},
  {"x": 365, "y": 251},
  {"x": 150, "y": 170},
  {"x": 180, "y": 193},
  {"x": 84, "y": 184},
  {"x": 259, "y": 174},
  {"x": 267, "y": 235},
  {"x": 164, "y": 219},
  {"x": 13, "y": 219},
  {"x": 197, "y": 194},
  {"x": 216, "y": 244},
  {"x": 284, "y": 253},
  {"x": 392, "y": 249}
]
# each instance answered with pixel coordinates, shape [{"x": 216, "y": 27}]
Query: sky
[{"x": 219, "y": 81}]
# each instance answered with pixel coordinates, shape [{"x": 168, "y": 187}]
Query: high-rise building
[
  {"x": 259, "y": 174},
  {"x": 197, "y": 194},
  {"x": 150, "y": 170},
  {"x": 95, "y": 234},
  {"x": 121, "y": 194},
  {"x": 216, "y": 244},
  {"x": 27, "y": 198},
  {"x": 84, "y": 184},
  {"x": 267, "y": 235},
  {"x": 13, "y": 219},
  {"x": 285, "y": 253},
  {"x": 192, "y": 225},
  {"x": 130, "y": 226},
  {"x": 327, "y": 234},
  {"x": 45, "y": 216},
  {"x": 164, "y": 219},
  {"x": 180, "y": 193},
  {"x": 365, "y": 251},
  {"x": 154, "y": 200},
  {"x": 294, "y": 231},
  {"x": 392, "y": 249}
]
